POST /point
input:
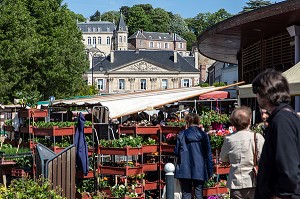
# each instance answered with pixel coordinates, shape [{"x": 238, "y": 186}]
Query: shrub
[{"x": 28, "y": 188}]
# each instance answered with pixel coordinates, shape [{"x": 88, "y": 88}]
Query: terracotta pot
[
  {"x": 54, "y": 131},
  {"x": 214, "y": 191},
  {"x": 86, "y": 195},
  {"x": 120, "y": 151},
  {"x": 33, "y": 113},
  {"x": 171, "y": 129}
]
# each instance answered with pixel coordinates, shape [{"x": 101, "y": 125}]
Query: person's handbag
[{"x": 255, "y": 167}]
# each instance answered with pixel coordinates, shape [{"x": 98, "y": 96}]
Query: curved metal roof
[{"x": 223, "y": 41}]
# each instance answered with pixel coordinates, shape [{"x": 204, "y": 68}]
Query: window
[
  {"x": 101, "y": 85},
  {"x": 108, "y": 40},
  {"x": 166, "y": 45},
  {"x": 143, "y": 84},
  {"x": 94, "y": 40},
  {"x": 125, "y": 39},
  {"x": 120, "y": 39},
  {"x": 186, "y": 83},
  {"x": 89, "y": 29},
  {"x": 89, "y": 41},
  {"x": 164, "y": 84},
  {"x": 158, "y": 45},
  {"x": 94, "y": 29},
  {"x": 99, "y": 40},
  {"x": 121, "y": 84},
  {"x": 180, "y": 45},
  {"x": 151, "y": 44},
  {"x": 141, "y": 43},
  {"x": 98, "y": 29}
]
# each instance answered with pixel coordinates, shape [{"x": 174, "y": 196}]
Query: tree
[
  {"x": 177, "y": 24},
  {"x": 112, "y": 16},
  {"x": 138, "y": 19},
  {"x": 41, "y": 52},
  {"x": 96, "y": 16},
  {"x": 190, "y": 38},
  {"x": 254, "y": 4},
  {"x": 204, "y": 21},
  {"x": 160, "y": 20}
]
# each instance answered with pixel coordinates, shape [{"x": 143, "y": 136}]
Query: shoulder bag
[{"x": 255, "y": 165}]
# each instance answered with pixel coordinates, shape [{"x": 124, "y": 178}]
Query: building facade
[
  {"x": 132, "y": 71},
  {"x": 267, "y": 37},
  {"x": 104, "y": 35},
  {"x": 142, "y": 40}
]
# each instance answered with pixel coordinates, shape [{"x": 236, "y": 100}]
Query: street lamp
[{"x": 95, "y": 53}]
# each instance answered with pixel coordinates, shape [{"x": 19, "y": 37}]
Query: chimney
[
  {"x": 175, "y": 56},
  {"x": 196, "y": 59},
  {"x": 112, "y": 56}
]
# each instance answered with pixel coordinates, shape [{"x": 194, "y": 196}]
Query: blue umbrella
[{"x": 82, "y": 160}]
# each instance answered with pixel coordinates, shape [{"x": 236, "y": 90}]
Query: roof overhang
[{"x": 223, "y": 41}]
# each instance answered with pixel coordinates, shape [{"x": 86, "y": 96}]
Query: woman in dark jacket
[{"x": 194, "y": 163}]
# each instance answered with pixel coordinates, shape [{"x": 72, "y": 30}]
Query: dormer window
[
  {"x": 89, "y": 29},
  {"x": 98, "y": 29},
  {"x": 159, "y": 37},
  {"x": 107, "y": 29},
  {"x": 150, "y": 37},
  {"x": 94, "y": 29}
]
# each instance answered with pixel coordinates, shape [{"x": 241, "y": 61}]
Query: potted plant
[
  {"x": 32, "y": 189},
  {"x": 214, "y": 119},
  {"x": 8, "y": 125},
  {"x": 53, "y": 128}
]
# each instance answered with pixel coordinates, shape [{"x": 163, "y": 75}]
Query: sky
[{"x": 186, "y": 8}]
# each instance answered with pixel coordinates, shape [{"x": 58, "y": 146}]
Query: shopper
[
  {"x": 263, "y": 124},
  {"x": 238, "y": 149},
  {"x": 194, "y": 163},
  {"x": 279, "y": 166}
]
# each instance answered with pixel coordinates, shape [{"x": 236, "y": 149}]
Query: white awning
[
  {"x": 125, "y": 104},
  {"x": 292, "y": 75}
]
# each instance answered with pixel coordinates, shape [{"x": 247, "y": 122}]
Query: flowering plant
[
  {"x": 122, "y": 142},
  {"x": 120, "y": 191},
  {"x": 171, "y": 138},
  {"x": 103, "y": 182},
  {"x": 214, "y": 197}
]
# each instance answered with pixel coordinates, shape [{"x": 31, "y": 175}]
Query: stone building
[
  {"x": 104, "y": 35},
  {"x": 131, "y": 71},
  {"x": 142, "y": 40}
]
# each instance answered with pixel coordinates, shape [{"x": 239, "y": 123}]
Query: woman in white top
[{"x": 238, "y": 149}]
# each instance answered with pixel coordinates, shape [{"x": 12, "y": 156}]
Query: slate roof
[
  {"x": 96, "y": 26},
  {"x": 163, "y": 59},
  {"x": 157, "y": 36},
  {"x": 121, "y": 25}
]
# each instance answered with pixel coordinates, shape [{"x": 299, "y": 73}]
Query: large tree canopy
[
  {"x": 41, "y": 50},
  {"x": 205, "y": 20},
  {"x": 254, "y": 4}
]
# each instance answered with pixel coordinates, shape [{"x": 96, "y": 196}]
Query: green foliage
[
  {"x": 42, "y": 124},
  {"x": 86, "y": 185},
  {"x": 138, "y": 19},
  {"x": 204, "y": 21},
  {"x": 160, "y": 20},
  {"x": 112, "y": 16},
  {"x": 255, "y": 4},
  {"x": 176, "y": 123},
  {"x": 8, "y": 122},
  {"x": 119, "y": 191},
  {"x": 40, "y": 48},
  {"x": 190, "y": 38},
  {"x": 203, "y": 84},
  {"x": 149, "y": 141},
  {"x": 65, "y": 142},
  {"x": 208, "y": 117},
  {"x": 218, "y": 84},
  {"x": 96, "y": 16},
  {"x": 216, "y": 141},
  {"x": 122, "y": 142},
  {"x": 178, "y": 25},
  {"x": 209, "y": 183},
  {"x": 24, "y": 188}
]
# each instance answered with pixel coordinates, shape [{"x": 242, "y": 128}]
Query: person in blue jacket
[{"x": 194, "y": 158}]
